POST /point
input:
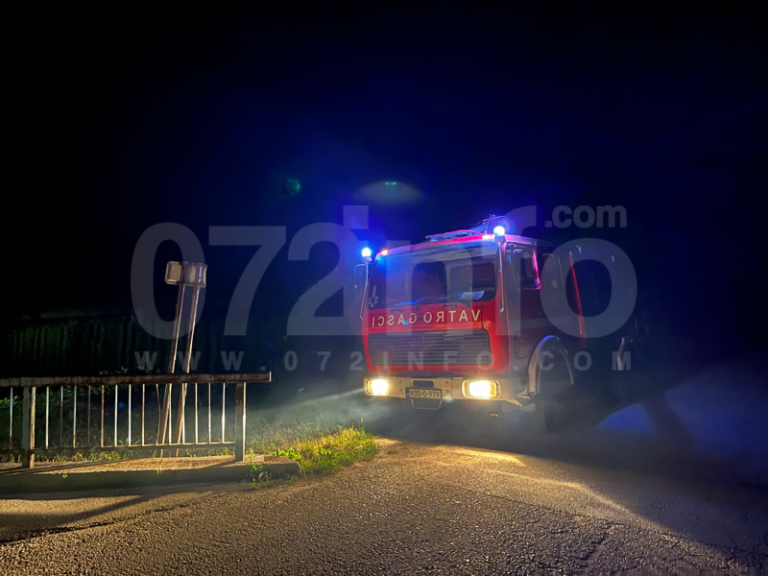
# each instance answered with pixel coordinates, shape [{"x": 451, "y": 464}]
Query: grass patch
[
  {"x": 318, "y": 451},
  {"x": 329, "y": 453}
]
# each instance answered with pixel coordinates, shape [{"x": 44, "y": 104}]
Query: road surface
[{"x": 414, "y": 509}]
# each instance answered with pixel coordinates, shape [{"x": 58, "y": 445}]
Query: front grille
[{"x": 430, "y": 348}]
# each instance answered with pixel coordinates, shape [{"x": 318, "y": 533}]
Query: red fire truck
[{"x": 460, "y": 317}]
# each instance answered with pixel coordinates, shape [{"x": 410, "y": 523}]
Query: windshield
[{"x": 454, "y": 273}]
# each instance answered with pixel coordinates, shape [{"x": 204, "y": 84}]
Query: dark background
[{"x": 127, "y": 117}]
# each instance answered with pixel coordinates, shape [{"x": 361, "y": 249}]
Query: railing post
[
  {"x": 28, "y": 429},
  {"x": 240, "y": 421}
]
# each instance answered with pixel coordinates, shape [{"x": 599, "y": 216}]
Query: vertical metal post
[
  {"x": 10, "y": 424},
  {"x": 115, "y": 442},
  {"x": 28, "y": 430},
  {"x": 159, "y": 411},
  {"x": 102, "y": 416},
  {"x": 166, "y": 411},
  {"x": 88, "y": 438},
  {"x": 240, "y": 422},
  {"x": 196, "y": 416},
  {"x": 143, "y": 402},
  {"x": 61, "y": 416},
  {"x": 47, "y": 402},
  {"x": 209, "y": 412},
  {"x": 130, "y": 422},
  {"x": 223, "y": 397},
  {"x": 180, "y": 423},
  {"x": 74, "y": 419}
]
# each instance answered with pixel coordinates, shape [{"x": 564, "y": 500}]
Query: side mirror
[{"x": 361, "y": 279}]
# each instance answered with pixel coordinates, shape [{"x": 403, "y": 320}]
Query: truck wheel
[
  {"x": 543, "y": 416},
  {"x": 550, "y": 403}
]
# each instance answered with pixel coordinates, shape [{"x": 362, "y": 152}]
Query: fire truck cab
[{"x": 460, "y": 317}]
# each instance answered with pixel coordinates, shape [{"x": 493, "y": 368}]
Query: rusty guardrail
[{"x": 79, "y": 440}]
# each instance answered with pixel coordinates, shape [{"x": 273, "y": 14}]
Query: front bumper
[{"x": 509, "y": 390}]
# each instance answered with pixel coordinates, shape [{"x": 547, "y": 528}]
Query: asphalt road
[{"x": 416, "y": 508}]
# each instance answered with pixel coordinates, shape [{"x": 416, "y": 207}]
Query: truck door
[
  {"x": 565, "y": 315},
  {"x": 573, "y": 300},
  {"x": 528, "y": 323}
]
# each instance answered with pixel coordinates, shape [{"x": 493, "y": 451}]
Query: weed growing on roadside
[{"x": 329, "y": 451}]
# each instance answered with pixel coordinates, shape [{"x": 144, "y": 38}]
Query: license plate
[{"x": 426, "y": 394}]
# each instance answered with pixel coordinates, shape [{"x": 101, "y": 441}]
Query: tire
[
  {"x": 543, "y": 416},
  {"x": 551, "y": 403}
]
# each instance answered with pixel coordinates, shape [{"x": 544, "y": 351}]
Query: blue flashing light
[
  {"x": 499, "y": 231},
  {"x": 366, "y": 252}
]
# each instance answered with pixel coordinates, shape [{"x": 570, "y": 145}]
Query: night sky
[{"x": 131, "y": 117}]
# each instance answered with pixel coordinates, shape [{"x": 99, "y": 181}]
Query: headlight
[
  {"x": 378, "y": 387},
  {"x": 481, "y": 389}
]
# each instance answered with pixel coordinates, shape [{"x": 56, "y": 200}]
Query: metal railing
[{"x": 129, "y": 399}]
